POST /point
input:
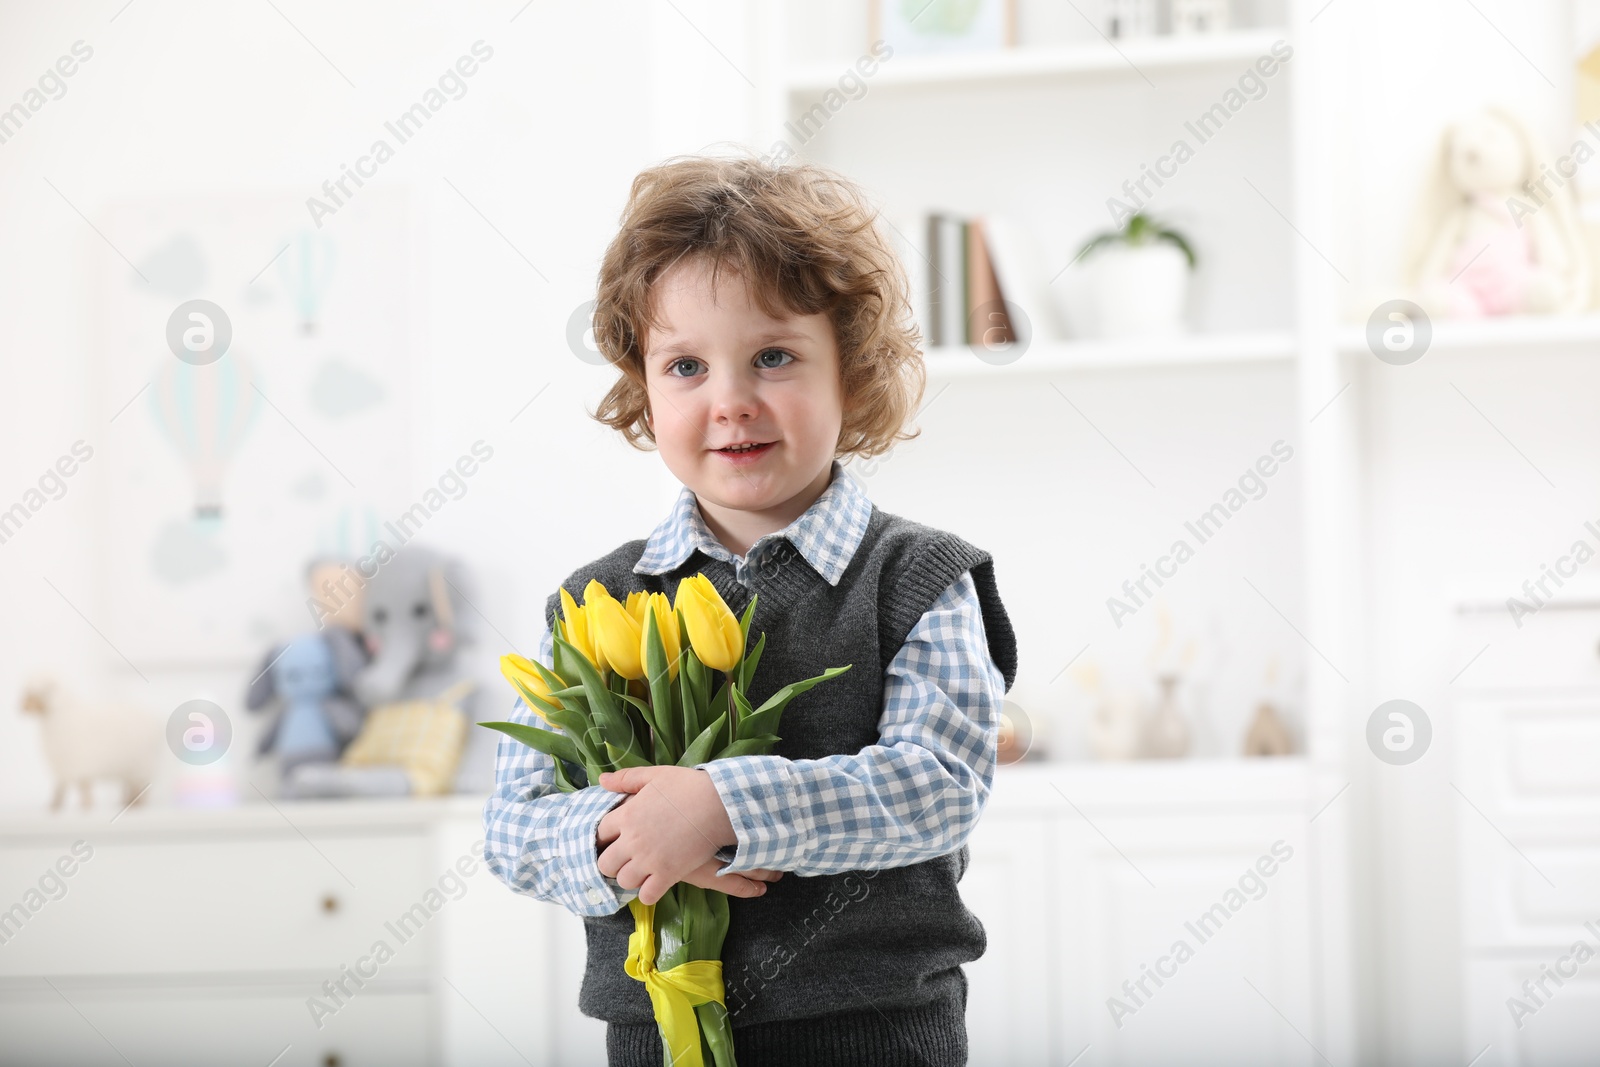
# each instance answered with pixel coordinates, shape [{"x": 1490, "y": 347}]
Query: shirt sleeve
[
  {"x": 914, "y": 795},
  {"x": 539, "y": 840}
]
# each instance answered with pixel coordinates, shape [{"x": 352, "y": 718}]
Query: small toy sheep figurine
[{"x": 85, "y": 742}]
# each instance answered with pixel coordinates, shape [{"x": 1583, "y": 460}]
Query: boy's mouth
[{"x": 746, "y": 451}]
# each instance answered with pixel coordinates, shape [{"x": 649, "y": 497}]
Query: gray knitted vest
[{"x": 816, "y": 945}]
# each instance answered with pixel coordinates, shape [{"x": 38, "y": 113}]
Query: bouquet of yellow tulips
[{"x": 632, "y": 687}]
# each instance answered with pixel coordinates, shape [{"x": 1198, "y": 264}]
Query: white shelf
[
  {"x": 1127, "y": 58},
  {"x": 1246, "y": 784},
  {"x": 1053, "y": 357},
  {"x": 248, "y": 816},
  {"x": 1511, "y": 331}
]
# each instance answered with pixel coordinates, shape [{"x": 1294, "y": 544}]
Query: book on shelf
[{"x": 976, "y": 276}]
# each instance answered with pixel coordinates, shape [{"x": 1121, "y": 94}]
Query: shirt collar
[{"x": 827, "y": 534}]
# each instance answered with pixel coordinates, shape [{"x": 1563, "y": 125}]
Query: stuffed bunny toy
[{"x": 1488, "y": 238}]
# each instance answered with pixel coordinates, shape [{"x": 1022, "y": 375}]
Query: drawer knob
[
  {"x": 330, "y": 904},
  {"x": 331, "y": 1060}
]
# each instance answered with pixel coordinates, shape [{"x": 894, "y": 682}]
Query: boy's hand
[
  {"x": 738, "y": 884},
  {"x": 668, "y": 831}
]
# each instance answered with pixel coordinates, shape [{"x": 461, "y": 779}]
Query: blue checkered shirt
[{"x": 914, "y": 795}]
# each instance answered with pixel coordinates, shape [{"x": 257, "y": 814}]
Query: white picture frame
[{"x": 930, "y": 27}]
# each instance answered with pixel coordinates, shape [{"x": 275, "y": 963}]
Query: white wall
[{"x": 192, "y": 98}]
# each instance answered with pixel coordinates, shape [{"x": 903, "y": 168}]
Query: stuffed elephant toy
[
  {"x": 411, "y": 623},
  {"x": 316, "y": 715}
]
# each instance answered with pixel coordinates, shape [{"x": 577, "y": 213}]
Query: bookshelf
[
  {"x": 1527, "y": 334},
  {"x": 1043, "y": 133},
  {"x": 1090, "y": 60},
  {"x": 1142, "y": 353}
]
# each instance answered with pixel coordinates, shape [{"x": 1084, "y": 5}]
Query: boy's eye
[{"x": 764, "y": 361}]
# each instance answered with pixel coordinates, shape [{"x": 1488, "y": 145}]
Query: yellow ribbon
[{"x": 673, "y": 993}]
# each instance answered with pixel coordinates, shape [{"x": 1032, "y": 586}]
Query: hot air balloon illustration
[
  {"x": 306, "y": 269},
  {"x": 205, "y": 412},
  {"x": 349, "y": 532}
]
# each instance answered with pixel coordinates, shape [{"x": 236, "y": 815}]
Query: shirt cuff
[
  {"x": 760, "y": 797},
  {"x": 593, "y": 893}
]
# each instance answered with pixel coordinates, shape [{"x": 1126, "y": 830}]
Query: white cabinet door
[
  {"x": 1177, "y": 946},
  {"x": 1011, "y": 884},
  {"x": 1528, "y": 761},
  {"x": 496, "y": 1004},
  {"x": 261, "y": 902},
  {"x": 578, "y": 1040},
  {"x": 88, "y": 1027},
  {"x": 1558, "y": 1026}
]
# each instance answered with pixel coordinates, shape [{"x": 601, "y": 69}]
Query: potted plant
[{"x": 1138, "y": 278}]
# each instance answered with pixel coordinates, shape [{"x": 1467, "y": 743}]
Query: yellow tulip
[
  {"x": 616, "y": 633},
  {"x": 667, "y": 625},
  {"x": 636, "y": 606},
  {"x": 578, "y": 631},
  {"x": 714, "y": 632},
  {"x": 518, "y": 671}
]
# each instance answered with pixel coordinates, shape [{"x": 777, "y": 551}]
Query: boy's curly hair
[{"x": 805, "y": 239}]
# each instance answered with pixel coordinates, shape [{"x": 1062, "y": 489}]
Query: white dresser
[
  {"x": 193, "y": 936},
  {"x": 1528, "y": 761},
  {"x": 1084, "y": 876}
]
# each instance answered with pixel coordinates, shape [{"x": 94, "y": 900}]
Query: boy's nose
[{"x": 735, "y": 401}]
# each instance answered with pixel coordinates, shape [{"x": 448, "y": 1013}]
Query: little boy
[{"x": 761, "y": 329}]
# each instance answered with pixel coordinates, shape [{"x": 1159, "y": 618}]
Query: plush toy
[
  {"x": 86, "y": 741},
  {"x": 309, "y": 681},
  {"x": 411, "y": 623},
  {"x": 1496, "y": 232},
  {"x": 413, "y": 688},
  {"x": 315, "y": 717}
]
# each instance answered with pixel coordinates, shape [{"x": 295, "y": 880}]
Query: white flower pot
[{"x": 1138, "y": 290}]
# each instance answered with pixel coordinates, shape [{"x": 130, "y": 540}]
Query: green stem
[{"x": 717, "y": 1030}]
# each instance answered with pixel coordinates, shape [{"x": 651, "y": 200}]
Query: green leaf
[
  {"x": 700, "y": 750},
  {"x": 564, "y": 718},
  {"x": 659, "y": 673},
  {"x": 1183, "y": 246},
  {"x": 625, "y": 757},
  {"x": 608, "y": 714},
  {"x": 747, "y": 669},
  {"x": 658, "y": 746},
  {"x": 700, "y": 677},
  {"x": 764, "y": 720},
  {"x": 675, "y": 926},
  {"x": 693, "y": 698},
  {"x": 643, "y": 709},
  {"x": 563, "y": 781},
  {"x": 744, "y": 620},
  {"x": 558, "y": 658},
  {"x": 750, "y": 746},
  {"x": 742, "y": 702},
  {"x": 549, "y": 742}
]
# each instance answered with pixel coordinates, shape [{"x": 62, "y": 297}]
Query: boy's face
[{"x": 720, "y": 371}]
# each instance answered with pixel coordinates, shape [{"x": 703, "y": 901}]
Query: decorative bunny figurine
[{"x": 1493, "y": 235}]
